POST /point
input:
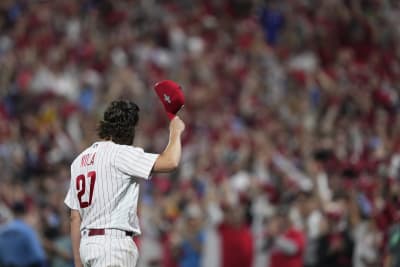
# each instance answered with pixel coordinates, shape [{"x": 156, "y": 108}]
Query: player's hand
[{"x": 176, "y": 125}]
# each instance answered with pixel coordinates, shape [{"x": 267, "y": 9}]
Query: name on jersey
[{"x": 88, "y": 159}]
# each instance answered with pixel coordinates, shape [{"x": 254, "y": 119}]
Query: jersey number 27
[{"x": 81, "y": 188}]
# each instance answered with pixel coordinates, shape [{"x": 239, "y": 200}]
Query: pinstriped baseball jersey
[{"x": 104, "y": 187}]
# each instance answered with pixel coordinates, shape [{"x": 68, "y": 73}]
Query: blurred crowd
[{"x": 292, "y": 143}]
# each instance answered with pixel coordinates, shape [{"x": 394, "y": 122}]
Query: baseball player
[{"x": 104, "y": 189}]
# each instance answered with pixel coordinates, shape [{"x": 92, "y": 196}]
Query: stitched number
[{"x": 81, "y": 188}]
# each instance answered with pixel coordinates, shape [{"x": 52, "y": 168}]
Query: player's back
[{"x": 104, "y": 187}]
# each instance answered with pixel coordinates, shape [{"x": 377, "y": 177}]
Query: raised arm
[{"x": 169, "y": 159}]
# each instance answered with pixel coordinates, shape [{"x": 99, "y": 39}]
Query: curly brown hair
[{"x": 119, "y": 121}]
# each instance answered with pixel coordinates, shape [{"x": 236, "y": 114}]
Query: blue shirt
[
  {"x": 20, "y": 246},
  {"x": 190, "y": 256},
  {"x": 272, "y": 22}
]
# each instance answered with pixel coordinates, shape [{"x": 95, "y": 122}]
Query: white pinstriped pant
[{"x": 114, "y": 249}]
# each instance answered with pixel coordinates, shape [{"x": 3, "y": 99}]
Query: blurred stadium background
[{"x": 292, "y": 123}]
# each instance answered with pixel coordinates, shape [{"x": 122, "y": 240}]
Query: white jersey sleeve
[
  {"x": 70, "y": 200},
  {"x": 134, "y": 162}
]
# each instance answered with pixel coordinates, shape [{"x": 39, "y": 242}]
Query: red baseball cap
[{"x": 171, "y": 96}]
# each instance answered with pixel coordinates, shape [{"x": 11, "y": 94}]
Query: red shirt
[
  {"x": 279, "y": 259},
  {"x": 236, "y": 246}
]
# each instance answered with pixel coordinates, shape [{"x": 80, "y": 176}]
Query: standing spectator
[
  {"x": 286, "y": 243},
  {"x": 393, "y": 257},
  {"x": 365, "y": 232},
  {"x": 63, "y": 245},
  {"x": 272, "y": 21},
  {"x": 236, "y": 238},
  {"x": 335, "y": 246},
  {"x": 193, "y": 239},
  {"x": 310, "y": 217},
  {"x": 367, "y": 240},
  {"x": 19, "y": 244}
]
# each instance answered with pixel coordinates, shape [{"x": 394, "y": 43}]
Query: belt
[{"x": 92, "y": 232}]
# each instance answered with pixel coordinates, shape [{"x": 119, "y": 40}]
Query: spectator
[
  {"x": 271, "y": 19},
  {"x": 19, "y": 244},
  {"x": 367, "y": 244},
  {"x": 236, "y": 239},
  {"x": 286, "y": 243},
  {"x": 193, "y": 238},
  {"x": 63, "y": 246},
  {"x": 335, "y": 245},
  {"x": 309, "y": 218},
  {"x": 393, "y": 257}
]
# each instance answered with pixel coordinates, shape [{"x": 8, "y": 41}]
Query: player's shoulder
[
  {"x": 124, "y": 152},
  {"x": 129, "y": 148}
]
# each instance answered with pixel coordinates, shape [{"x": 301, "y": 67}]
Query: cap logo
[{"x": 167, "y": 98}]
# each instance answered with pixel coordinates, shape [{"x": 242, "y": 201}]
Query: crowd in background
[{"x": 292, "y": 143}]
